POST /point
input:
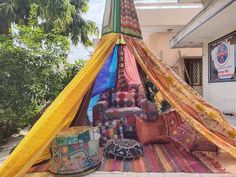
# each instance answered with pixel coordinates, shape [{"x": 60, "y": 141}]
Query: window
[{"x": 193, "y": 72}]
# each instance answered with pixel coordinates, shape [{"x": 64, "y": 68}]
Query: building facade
[
  {"x": 213, "y": 29},
  {"x": 160, "y": 20}
]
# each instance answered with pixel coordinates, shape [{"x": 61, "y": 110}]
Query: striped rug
[
  {"x": 161, "y": 158},
  {"x": 157, "y": 158}
]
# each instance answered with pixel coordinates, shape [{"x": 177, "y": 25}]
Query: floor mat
[
  {"x": 161, "y": 158},
  {"x": 157, "y": 158}
]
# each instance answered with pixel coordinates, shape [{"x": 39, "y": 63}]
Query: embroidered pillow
[{"x": 123, "y": 99}]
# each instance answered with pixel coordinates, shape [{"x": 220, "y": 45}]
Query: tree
[
  {"x": 33, "y": 71},
  {"x": 63, "y": 17}
]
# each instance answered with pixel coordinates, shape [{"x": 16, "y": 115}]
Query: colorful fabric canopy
[
  {"x": 202, "y": 116},
  {"x": 122, "y": 18}
]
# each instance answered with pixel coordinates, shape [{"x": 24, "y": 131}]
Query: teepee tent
[{"x": 120, "y": 25}]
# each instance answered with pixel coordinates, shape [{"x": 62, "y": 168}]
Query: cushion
[
  {"x": 123, "y": 99},
  {"x": 172, "y": 119},
  {"x": 113, "y": 113},
  {"x": 110, "y": 130},
  {"x": 151, "y": 132},
  {"x": 184, "y": 135},
  {"x": 149, "y": 110},
  {"x": 203, "y": 145},
  {"x": 123, "y": 149}
]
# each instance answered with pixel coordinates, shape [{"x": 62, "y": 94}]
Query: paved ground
[
  {"x": 228, "y": 162},
  {"x": 231, "y": 120},
  {"x": 129, "y": 174}
]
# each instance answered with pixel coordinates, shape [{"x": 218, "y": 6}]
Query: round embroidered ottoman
[
  {"x": 123, "y": 149},
  {"x": 75, "y": 150}
]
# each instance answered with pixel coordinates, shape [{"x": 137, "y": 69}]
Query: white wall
[
  {"x": 159, "y": 44},
  {"x": 222, "y": 94}
]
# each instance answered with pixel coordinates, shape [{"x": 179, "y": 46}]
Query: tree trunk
[{"x": 4, "y": 27}]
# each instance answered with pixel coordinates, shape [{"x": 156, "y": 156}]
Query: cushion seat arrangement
[
  {"x": 116, "y": 103},
  {"x": 117, "y": 109}
]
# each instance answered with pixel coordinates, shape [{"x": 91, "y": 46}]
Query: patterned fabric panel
[
  {"x": 123, "y": 99},
  {"x": 128, "y": 19},
  {"x": 120, "y": 17},
  {"x": 185, "y": 136},
  {"x": 121, "y": 82},
  {"x": 131, "y": 72}
]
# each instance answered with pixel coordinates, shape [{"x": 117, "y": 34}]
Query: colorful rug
[
  {"x": 157, "y": 158},
  {"x": 161, "y": 158}
]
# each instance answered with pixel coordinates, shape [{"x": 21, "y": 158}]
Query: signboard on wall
[{"x": 222, "y": 59}]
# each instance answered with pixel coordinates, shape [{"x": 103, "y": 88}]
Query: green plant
[{"x": 63, "y": 17}]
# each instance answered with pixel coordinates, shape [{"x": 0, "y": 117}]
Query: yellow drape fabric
[
  {"x": 58, "y": 115},
  {"x": 202, "y": 116}
]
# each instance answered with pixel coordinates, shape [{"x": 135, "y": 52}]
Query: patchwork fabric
[
  {"x": 123, "y": 99},
  {"x": 75, "y": 150},
  {"x": 123, "y": 149},
  {"x": 111, "y": 130}
]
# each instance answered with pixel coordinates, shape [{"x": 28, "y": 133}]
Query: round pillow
[{"x": 123, "y": 149}]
